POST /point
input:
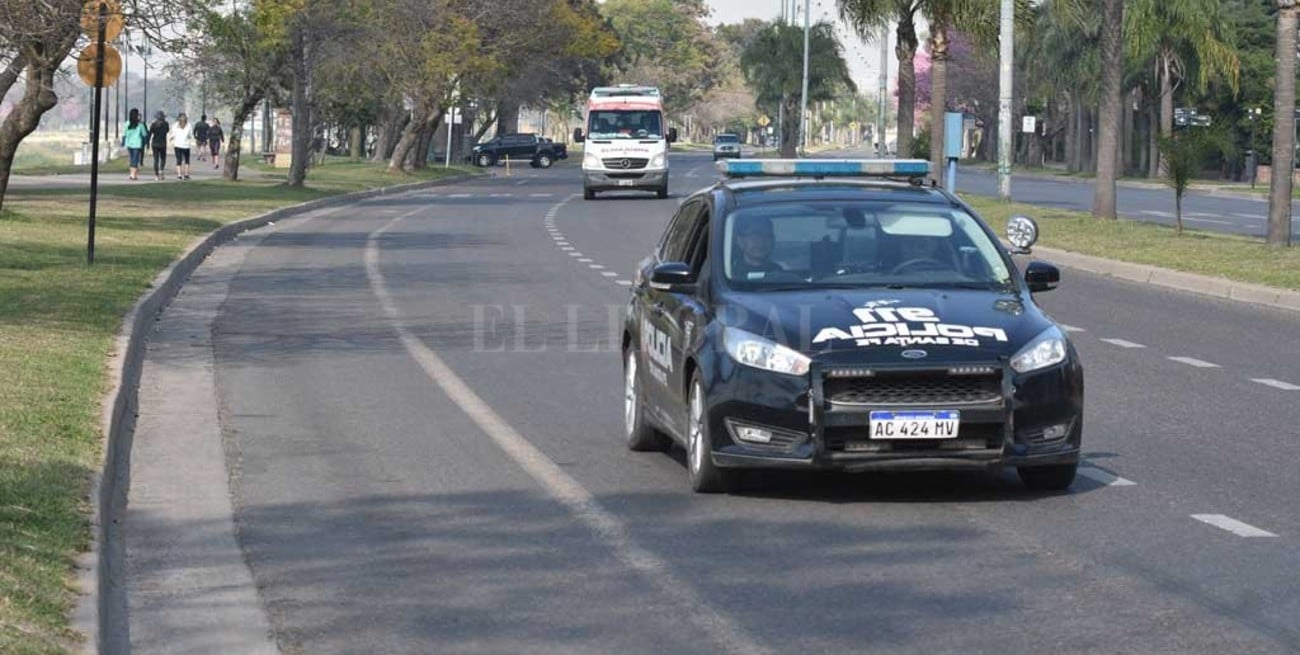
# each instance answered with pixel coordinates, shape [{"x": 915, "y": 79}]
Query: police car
[{"x": 838, "y": 314}]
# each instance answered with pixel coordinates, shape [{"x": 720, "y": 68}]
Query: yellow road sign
[
  {"x": 764, "y": 121},
  {"x": 113, "y": 19},
  {"x": 86, "y": 65}
]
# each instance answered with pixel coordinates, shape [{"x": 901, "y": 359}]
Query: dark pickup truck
[{"x": 539, "y": 152}]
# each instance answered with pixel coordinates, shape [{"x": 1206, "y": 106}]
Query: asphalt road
[{"x": 421, "y": 399}]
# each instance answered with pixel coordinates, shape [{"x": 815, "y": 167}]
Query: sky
[{"x": 863, "y": 58}]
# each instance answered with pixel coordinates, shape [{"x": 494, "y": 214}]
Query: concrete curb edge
[
  {"x": 1256, "y": 294},
  {"x": 100, "y": 615}
]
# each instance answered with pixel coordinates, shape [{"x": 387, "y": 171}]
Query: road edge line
[{"x": 100, "y": 611}]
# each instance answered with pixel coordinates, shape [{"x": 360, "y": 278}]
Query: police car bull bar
[{"x": 909, "y": 169}]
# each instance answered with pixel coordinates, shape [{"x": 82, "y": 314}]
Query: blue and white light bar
[{"x": 824, "y": 167}]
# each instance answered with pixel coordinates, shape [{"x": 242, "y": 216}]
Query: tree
[
  {"x": 667, "y": 43},
  {"x": 1108, "y": 115},
  {"x": 773, "y": 68},
  {"x": 868, "y": 18},
  {"x": 1279, "y": 197},
  {"x": 1183, "y": 156}
]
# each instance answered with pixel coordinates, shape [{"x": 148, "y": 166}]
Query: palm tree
[
  {"x": 773, "y": 68},
  {"x": 868, "y": 17},
  {"x": 1279, "y": 197},
  {"x": 1108, "y": 115},
  {"x": 1183, "y": 41}
]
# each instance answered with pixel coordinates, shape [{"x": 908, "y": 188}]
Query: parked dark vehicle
[{"x": 539, "y": 152}]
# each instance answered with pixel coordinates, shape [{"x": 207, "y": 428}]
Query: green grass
[
  {"x": 57, "y": 321},
  {"x": 1238, "y": 258}
]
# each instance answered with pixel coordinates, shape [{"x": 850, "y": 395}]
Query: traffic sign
[
  {"x": 764, "y": 121},
  {"x": 113, "y": 19},
  {"x": 86, "y": 65}
]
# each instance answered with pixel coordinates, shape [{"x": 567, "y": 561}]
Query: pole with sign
[
  {"x": 453, "y": 120},
  {"x": 97, "y": 65}
]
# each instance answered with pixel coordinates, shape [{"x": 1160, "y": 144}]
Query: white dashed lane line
[
  {"x": 595, "y": 266},
  {"x": 1123, "y": 344},
  {"x": 585, "y": 260},
  {"x": 1105, "y": 477},
  {"x": 1276, "y": 384},
  {"x": 540, "y": 195},
  {"x": 609, "y": 273},
  {"x": 1071, "y": 328},
  {"x": 1232, "y": 525},
  {"x": 1192, "y": 361},
  {"x": 626, "y": 283},
  {"x": 460, "y": 195}
]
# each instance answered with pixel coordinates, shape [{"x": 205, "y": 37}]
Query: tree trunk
[
  {"x": 234, "y": 143},
  {"x": 1166, "y": 108},
  {"x": 1072, "y": 139},
  {"x": 300, "y": 159},
  {"x": 1279, "y": 197},
  {"x": 906, "y": 52},
  {"x": 938, "y": 95},
  {"x": 507, "y": 117},
  {"x": 408, "y": 140},
  {"x": 1109, "y": 118},
  {"x": 38, "y": 97},
  {"x": 1127, "y": 137},
  {"x": 1092, "y": 139},
  {"x": 356, "y": 141},
  {"x": 790, "y": 128},
  {"x": 1153, "y": 142},
  {"x": 487, "y": 125},
  {"x": 424, "y": 141},
  {"x": 390, "y": 130},
  {"x": 1178, "y": 212}
]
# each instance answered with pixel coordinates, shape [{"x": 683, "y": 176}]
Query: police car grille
[
  {"x": 936, "y": 389},
  {"x": 632, "y": 164}
]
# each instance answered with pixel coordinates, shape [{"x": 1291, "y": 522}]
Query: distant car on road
[
  {"x": 539, "y": 152},
  {"x": 811, "y": 321},
  {"x": 726, "y": 146}
]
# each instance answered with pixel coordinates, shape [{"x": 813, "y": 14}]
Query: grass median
[
  {"x": 1239, "y": 258},
  {"x": 57, "y": 321}
]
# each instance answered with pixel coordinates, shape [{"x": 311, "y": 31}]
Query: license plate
[
  {"x": 626, "y": 182},
  {"x": 914, "y": 425}
]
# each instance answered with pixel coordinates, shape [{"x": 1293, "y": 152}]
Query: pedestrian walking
[
  {"x": 215, "y": 137},
  {"x": 158, "y": 141},
  {"x": 201, "y": 137},
  {"x": 182, "y": 141},
  {"x": 133, "y": 139}
]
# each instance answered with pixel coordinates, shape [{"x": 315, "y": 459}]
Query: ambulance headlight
[
  {"x": 590, "y": 160},
  {"x": 658, "y": 161}
]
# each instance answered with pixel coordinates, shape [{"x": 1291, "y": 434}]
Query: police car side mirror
[
  {"x": 672, "y": 276},
  {"x": 672, "y": 135},
  {"x": 1041, "y": 276},
  {"x": 577, "y": 135}
]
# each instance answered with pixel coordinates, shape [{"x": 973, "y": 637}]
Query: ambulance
[{"x": 626, "y": 141}]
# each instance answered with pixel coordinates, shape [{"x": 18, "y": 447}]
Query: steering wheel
[{"x": 924, "y": 263}]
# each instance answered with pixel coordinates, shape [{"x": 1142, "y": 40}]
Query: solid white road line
[
  {"x": 1192, "y": 361},
  {"x": 1105, "y": 477},
  {"x": 1232, "y": 525},
  {"x": 726, "y": 634},
  {"x": 1071, "y": 328},
  {"x": 1276, "y": 384},
  {"x": 1123, "y": 344}
]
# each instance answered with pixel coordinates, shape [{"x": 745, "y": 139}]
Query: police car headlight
[
  {"x": 1047, "y": 349},
  {"x": 590, "y": 160},
  {"x": 657, "y": 162},
  {"x": 753, "y": 350}
]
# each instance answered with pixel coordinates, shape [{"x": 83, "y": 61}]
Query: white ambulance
[{"x": 626, "y": 141}]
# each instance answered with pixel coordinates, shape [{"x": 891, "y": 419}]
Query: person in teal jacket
[{"x": 134, "y": 138}]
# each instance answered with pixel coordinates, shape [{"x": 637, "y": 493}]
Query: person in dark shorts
[
  {"x": 158, "y": 131},
  {"x": 201, "y": 137},
  {"x": 182, "y": 141},
  {"x": 215, "y": 137}
]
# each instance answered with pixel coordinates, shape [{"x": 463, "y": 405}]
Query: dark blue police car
[{"x": 837, "y": 314}]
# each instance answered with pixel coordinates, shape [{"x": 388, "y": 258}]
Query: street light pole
[
  {"x": 803, "y": 102},
  {"x": 1007, "y": 54}
]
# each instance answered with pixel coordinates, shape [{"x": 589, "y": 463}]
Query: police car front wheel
[{"x": 705, "y": 476}]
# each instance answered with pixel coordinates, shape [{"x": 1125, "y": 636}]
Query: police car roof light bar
[{"x": 819, "y": 168}]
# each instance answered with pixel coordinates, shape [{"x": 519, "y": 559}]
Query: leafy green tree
[
  {"x": 773, "y": 68},
  {"x": 668, "y": 44},
  {"x": 1183, "y": 155}
]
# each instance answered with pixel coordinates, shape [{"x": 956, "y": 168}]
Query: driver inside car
[
  {"x": 922, "y": 252},
  {"x": 754, "y": 241}
]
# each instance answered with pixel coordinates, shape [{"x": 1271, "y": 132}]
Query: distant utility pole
[
  {"x": 803, "y": 101},
  {"x": 1007, "y": 55},
  {"x": 883, "y": 149}
]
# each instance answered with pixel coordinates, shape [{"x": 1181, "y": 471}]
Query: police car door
[
  {"x": 681, "y": 311},
  {"x": 660, "y": 329}
]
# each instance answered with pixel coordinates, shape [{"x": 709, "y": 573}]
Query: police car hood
[{"x": 852, "y": 326}]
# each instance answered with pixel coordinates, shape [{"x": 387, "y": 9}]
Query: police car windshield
[
  {"x": 846, "y": 244},
  {"x": 620, "y": 124}
]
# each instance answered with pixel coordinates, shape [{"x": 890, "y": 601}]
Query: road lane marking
[
  {"x": 460, "y": 195},
  {"x": 540, "y": 195},
  {"x": 727, "y": 635},
  {"x": 1210, "y": 220},
  {"x": 1152, "y": 212},
  {"x": 1123, "y": 344},
  {"x": 566, "y": 248},
  {"x": 596, "y": 266},
  {"x": 501, "y": 195},
  {"x": 1232, "y": 525},
  {"x": 521, "y": 182},
  {"x": 1192, "y": 361},
  {"x": 1276, "y": 384},
  {"x": 626, "y": 283},
  {"x": 585, "y": 260},
  {"x": 1071, "y": 328},
  {"x": 609, "y": 273},
  {"x": 1256, "y": 217},
  {"x": 1105, "y": 477},
  {"x": 576, "y": 254}
]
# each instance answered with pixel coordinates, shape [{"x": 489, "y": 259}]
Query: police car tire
[
  {"x": 706, "y": 477},
  {"x": 1056, "y": 477},
  {"x": 640, "y": 436}
]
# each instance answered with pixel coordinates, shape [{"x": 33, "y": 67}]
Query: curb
[
  {"x": 101, "y": 611},
  {"x": 1206, "y": 285}
]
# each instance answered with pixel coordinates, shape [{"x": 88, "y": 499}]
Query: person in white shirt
[{"x": 182, "y": 140}]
